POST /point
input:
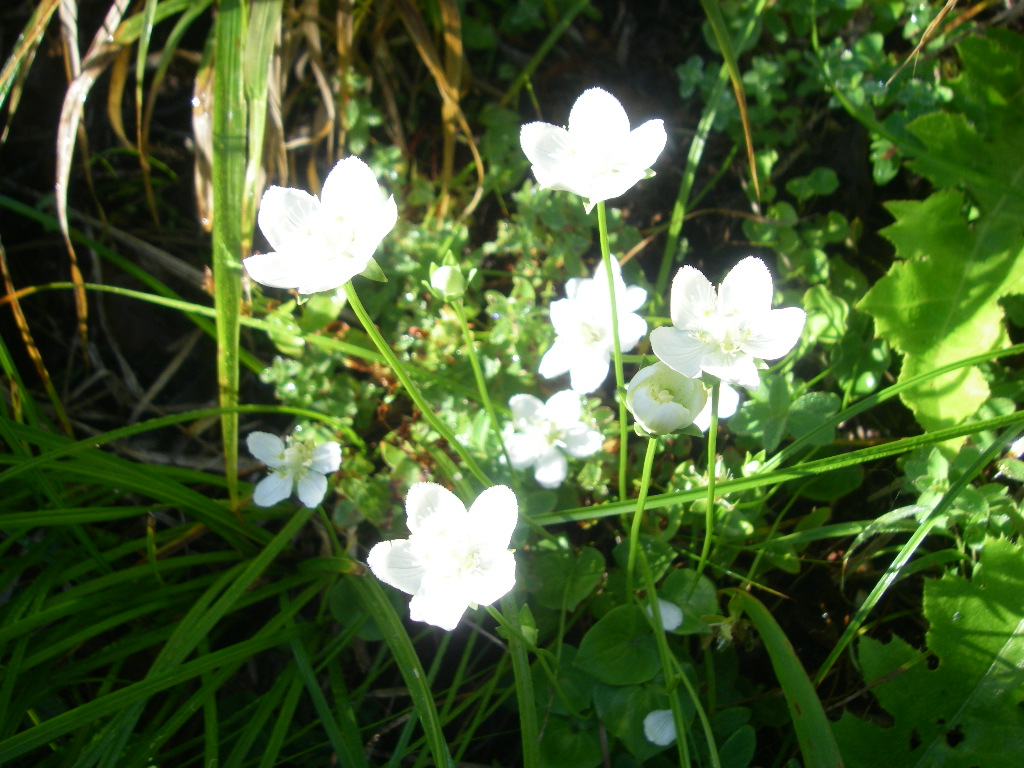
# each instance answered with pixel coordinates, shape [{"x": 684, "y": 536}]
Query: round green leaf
[{"x": 620, "y": 649}]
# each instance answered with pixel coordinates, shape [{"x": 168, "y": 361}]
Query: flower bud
[
  {"x": 448, "y": 282},
  {"x": 663, "y": 400}
]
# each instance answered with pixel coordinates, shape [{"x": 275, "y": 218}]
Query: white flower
[
  {"x": 297, "y": 463},
  {"x": 584, "y": 342},
  {"x": 728, "y": 402},
  {"x": 545, "y": 432},
  {"x": 598, "y": 157},
  {"x": 671, "y": 615},
  {"x": 453, "y": 558},
  {"x": 663, "y": 400},
  {"x": 724, "y": 333},
  {"x": 659, "y": 727},
  {"x": 320, "y": 245}
]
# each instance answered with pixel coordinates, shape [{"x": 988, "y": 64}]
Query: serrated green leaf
[
  {"x": 969, "y": 709},
  {"x": 940, "y": 302}
]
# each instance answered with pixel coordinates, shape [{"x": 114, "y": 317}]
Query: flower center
[
  {"x": 664, "y": 395},
  {"x": 297, "y": 458},
  {"x": 591, "y": 334}
]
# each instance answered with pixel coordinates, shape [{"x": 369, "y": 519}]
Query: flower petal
[
  {"x": 495, "y": 511},
  {"x": 267, "y": 448},
  {"x": 549, "y": 151},
  {"x": 565, "y": 315},
  {"x": 525, "y": 410},
  {"x": 426, "y": 499},
  {"x": 524, "y": 448},
  {"x": 609, "y": 183},
  {"x": 278, "y": 269},
  {"x": 747, "y": 289},
  {"x": 312, "y": 488},
  {"x": 556, "y": 360},
  {"x": 551, "y": 468},
  {"x": 328, "y": 274},
  {"x": 441, "y": 608},
  {"x": 678, "y": 350},
  {"x": 351, "y": 189},
  {"x": 775, "y": 333},
  {"x": 581, "y": 441},
  {"x": 632, "y": 300},
  {"x": 632, "y": 328},
  {"x": 597, "y": 119},
  {"x": 287, "y": 217},
  {"x": 564, "y": 408},
  {"x": 326, "y": 458},
  {"x": 733, "y": 369},
  {"x": 645, "y": 144},
  {"x": 271, "y": 489},
  {"x": 671, "y": 615},
  {"x": 660, "y": 728},
  {"x": 587, "y": 371},
  {"x": 496, "y": 578},
  {"x": 693, "y": 297},
  {"x": 728, "y": 402},
  {"x": 395, "y": 563}
]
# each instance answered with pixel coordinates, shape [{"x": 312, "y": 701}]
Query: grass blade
[
  {"x": 229, "y": 156},
  {"x": 376, "y": 604},
  {"x": 813, "y": 731}
]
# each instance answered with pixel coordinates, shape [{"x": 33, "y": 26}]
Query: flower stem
[
  {"x": 670, "y": 669},
  {"x": 396, "y": 365},
  {"x": 634, "y": 533},
  {"x": 606, "y": 257},
  {"x": 481, "y": 385},
  {"x": 709, "y": 513}
]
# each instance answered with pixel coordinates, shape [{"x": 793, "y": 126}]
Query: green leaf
[
  {"x": 985, "y": 137},
  {"x": 561, "y": 579},
  {"x": 808, "y": 413},
  {"x": 694, "y": 600},
  {"x": 939, "y": 303},
  {"x": 569, "y": 743},
  {"x": 374, "y": 272},
  {"x": 969, "y": 709},
  {"x": 738, "y": 749},
  {"x": 623, "y": 633},
  {"x": 622, "y": 710}
]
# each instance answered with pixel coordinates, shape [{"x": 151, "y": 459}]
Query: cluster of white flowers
[
  {"x": 456, "y": 558},
  {"x": 725, "y": 334}
]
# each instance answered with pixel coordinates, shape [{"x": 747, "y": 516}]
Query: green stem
[
  {"x": 481, "y": 386},
  {"x": 709, "y": 513},
  {"x": 634, "y": 533},
  {"x": 528, "y": 724},
  {"x": 396, "y": 365},
  {"x": 606, "y": 257},
  {"x": 673, "y": 674}
]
